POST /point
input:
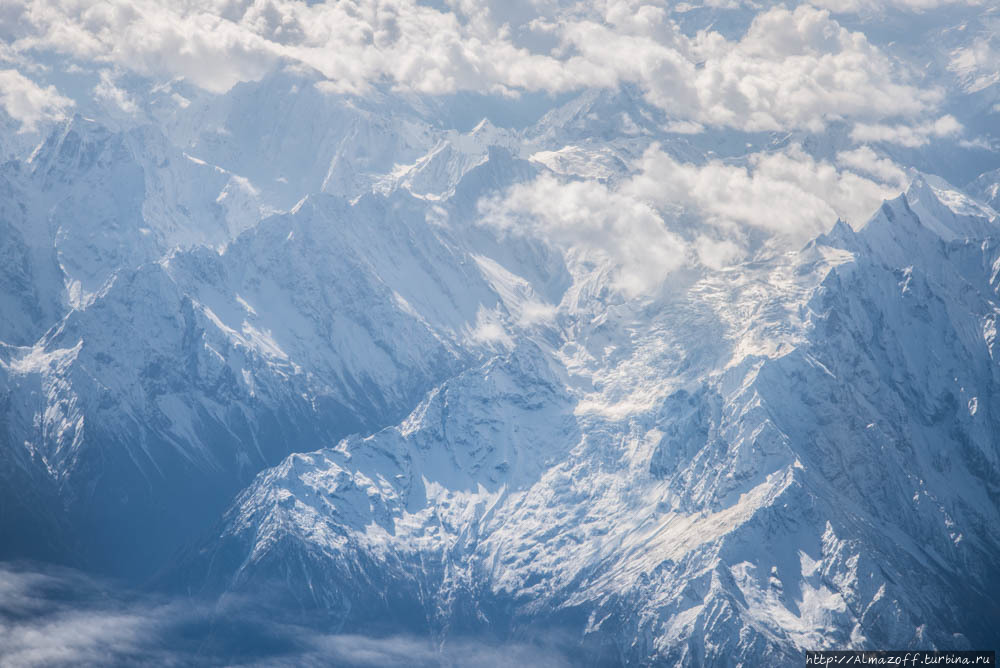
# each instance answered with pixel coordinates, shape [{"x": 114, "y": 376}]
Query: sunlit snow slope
[{"x": 661, "y": 333}]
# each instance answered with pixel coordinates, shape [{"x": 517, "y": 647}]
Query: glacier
[
  {"x": 454, "y": 376},
  {"x": 740, "y": 516}
]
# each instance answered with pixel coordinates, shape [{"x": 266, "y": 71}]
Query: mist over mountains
[{"x": 452, "y": 333}]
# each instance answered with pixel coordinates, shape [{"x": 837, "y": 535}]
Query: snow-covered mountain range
[{"x": 674, "y": 365}]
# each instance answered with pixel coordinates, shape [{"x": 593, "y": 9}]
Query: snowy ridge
[
  {"x": 699, "y": 524},
  {"x": 518, "y": 363},
  {"x": 209, "y": 366}
]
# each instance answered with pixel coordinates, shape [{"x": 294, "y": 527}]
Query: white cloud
[
  {"x": 793, "y": 68},
  {"x": 978, "y": 143},
  {"x": 190, "y": 39},
  {"x": 489, "y": 329},
  {"x": 865, "y": 160},
  {"x": 802, "y": 69},
  {"x": 685, "y": 127},
  {"x": 35, "y": 630},
  {"x": 671, "y": 214},
  {"x": 907, "y": 135},
  {"x": 854, "y": 6},
  {"x": 717, "y": 253},
  {"x": 107, "y": 90},
  {"x": 787, "y": 193},
  {"x": 596, "y": 223},
  {"x": 28, "y": 102}
]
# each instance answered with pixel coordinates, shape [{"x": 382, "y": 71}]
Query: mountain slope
[
  {"x": 738, "y": 517},
  {"x": 185, "y": 377},
  {"x": 383, "y": 332}
]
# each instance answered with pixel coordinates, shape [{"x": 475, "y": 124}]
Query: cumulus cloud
[
  {"x": 194, "y": 40},
  {"x": 671, "y": 214},
  {"x": 787, "y": 193},
  {"x": 865, "y": 160},
  {"x": 593, "y": 222},
  {"x": 802, "y": 69},
  {"x": 907, "y": 135},
  {"x": 29, "y": 103},
  {"x": 853, "y": 6},
  {"x": 217, "y": 44},
  {"x": 792, "y": 69}
]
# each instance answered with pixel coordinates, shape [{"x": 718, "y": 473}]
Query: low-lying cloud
[
  {"x": 670, "y": 214},
  {"x": 59, "y": 617},
  {"x": 593, "y": 222}
]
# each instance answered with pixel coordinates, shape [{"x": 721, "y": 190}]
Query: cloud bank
[
  {"x": 671, "y": 214},
  {"x": 792, "y": 69}
]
